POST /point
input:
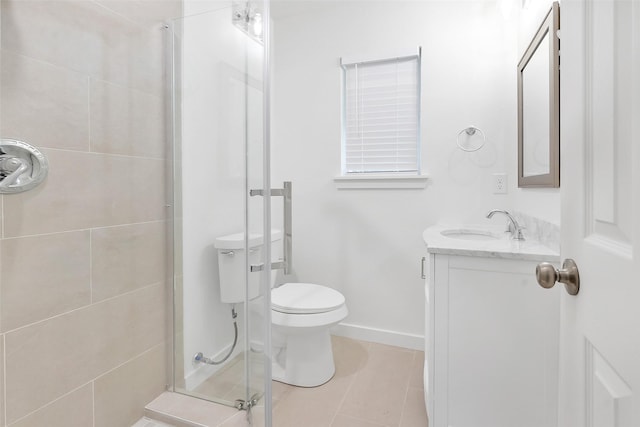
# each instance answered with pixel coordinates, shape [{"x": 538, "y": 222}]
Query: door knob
[{"x": 547, "y": 276}]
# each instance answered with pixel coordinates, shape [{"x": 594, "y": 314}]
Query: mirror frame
[{"x": 551, "y": 26}]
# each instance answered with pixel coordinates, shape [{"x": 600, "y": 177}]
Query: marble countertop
[{"x": 500, "y": 247}]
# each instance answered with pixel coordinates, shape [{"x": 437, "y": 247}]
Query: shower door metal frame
[
  {"x": 266, "y": 169},
  {"x": 172, "y": 140}
]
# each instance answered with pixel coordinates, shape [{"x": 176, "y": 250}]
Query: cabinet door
[{"x": 496, "y": 346}]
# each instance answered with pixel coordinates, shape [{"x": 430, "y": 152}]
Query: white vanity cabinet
[{"x": 491, "y": 356}]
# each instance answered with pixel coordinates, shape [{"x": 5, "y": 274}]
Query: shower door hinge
[{"x": 243, "y": 405}]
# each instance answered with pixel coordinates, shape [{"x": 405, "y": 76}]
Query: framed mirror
[{"x": 539, "y": 107}]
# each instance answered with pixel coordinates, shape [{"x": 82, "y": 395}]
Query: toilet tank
[{"x": 231, "y": 264}]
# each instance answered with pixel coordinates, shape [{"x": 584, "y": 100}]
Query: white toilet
[{"x": 301, "y": 313}]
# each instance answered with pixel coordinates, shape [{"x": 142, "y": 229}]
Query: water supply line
[{"x": 200, "y": 358}]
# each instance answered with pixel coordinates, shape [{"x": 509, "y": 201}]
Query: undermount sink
[{"x": 469, "y": 234}]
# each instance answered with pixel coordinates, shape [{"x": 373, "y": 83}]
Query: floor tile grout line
[
  {"x": 406, "y": 393},
  {"x": 366, "y": 421},
  {"x": 404, "y": 403},
  {"x": 353, "y": 381}
]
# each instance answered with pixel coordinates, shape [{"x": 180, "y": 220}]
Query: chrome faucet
[{"x": 513, "y": 227}]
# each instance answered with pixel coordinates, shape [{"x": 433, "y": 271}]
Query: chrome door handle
[
  {"x": 422, "y": 274},
  {"x": 547, "y": 276}
]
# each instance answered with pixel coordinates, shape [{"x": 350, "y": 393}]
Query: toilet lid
[{"x": 305, "y": 298}]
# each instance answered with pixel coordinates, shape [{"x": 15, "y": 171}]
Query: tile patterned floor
[{"x": 375, "y": 385}]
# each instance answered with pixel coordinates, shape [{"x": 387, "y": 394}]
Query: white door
[{"x": 600, "y": 184}]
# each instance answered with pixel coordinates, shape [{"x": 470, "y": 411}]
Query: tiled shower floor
[{"x": 375, "y": 386}]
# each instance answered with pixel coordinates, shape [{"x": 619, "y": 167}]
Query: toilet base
[{"x": 303, "y": 358}]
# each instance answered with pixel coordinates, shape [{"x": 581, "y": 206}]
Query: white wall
[{"x": 367, "y": 243}]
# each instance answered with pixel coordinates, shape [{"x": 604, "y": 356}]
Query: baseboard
[{"x": 381, "y": 336}]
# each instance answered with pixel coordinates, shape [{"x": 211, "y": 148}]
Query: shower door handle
[
  {"x": 287, "y": 238},
  {"x": 288, "y": 228},
  {"x": 287, "y": 233}
]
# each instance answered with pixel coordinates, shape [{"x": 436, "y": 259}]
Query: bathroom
[{"x": 109, "y": 275}]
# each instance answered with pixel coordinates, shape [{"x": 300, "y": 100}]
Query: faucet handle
[
  {"x": 511, "y": 228},
  {"x": 516, "y": 233}
]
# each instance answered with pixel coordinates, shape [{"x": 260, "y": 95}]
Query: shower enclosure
[
  {"x": 218, "y": 53},
  {"x": 83, "y": 273}
]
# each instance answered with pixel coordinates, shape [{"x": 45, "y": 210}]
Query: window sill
[{"x": 380, "y": 182}]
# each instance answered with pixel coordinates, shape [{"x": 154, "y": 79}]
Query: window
[{"x": 381, "y": 116}]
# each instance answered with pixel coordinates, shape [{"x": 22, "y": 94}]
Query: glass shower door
[{"x": 221, "y": 303}]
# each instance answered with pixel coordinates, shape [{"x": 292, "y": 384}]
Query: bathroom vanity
[{"x": 491, "y": 353}]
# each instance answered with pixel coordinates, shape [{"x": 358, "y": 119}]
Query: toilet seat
[{"x": 305, "y": 298}]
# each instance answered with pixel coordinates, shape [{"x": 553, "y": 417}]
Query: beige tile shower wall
[
  {"x": 127, "y": 257},
  {"x": 71, "y": 410},
  {"x": 83, "y": 294},
  {"x": 114, "y": 408},
  {"x": 57, "y": 96},
  {"x": 43, "y": 276}
]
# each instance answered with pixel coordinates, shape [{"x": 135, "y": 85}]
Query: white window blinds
[{"x": 381, "y": 117}]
